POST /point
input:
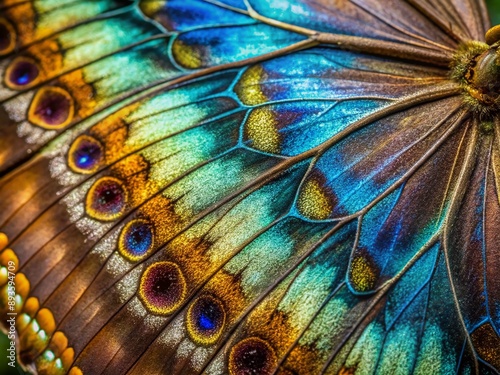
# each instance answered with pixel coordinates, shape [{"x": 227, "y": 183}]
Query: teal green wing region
[{"x": 246, "y": 187}]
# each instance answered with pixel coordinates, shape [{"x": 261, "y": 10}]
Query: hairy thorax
[{"x": 476, "y": 67}]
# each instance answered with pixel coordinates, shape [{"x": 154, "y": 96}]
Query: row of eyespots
[
  {"x": 107, "y": 199},
  {"x": 163, "y": 289},
  {"x": 52, "y": 107}
]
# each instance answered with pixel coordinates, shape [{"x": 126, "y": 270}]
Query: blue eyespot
[
  {"x": 22, "y": 72},
  {"x": 205, "y": 319},
  {"x": 136, "y": 239},
  {"x": 85, "y": 155},
  {"x": 206, "y": 322}
]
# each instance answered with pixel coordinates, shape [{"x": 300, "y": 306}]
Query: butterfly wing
[{"x": 212, "y": 191}]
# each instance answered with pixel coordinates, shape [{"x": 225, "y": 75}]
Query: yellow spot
[
  {"x": 261, "y": 129},
  {"x": 46, "y": 321},
  {"x": 22, "y": 285},
  {"x": 67, "y": 357},
  {"x": 249, "y": 89},
  {"x": 9, "y": 256},
  {"x": 187, "y": 56},
  {"x": 151, "y": 8},
  {"x": 23, "y": 322},
  {"x": 314, "y": 203},
  {"x": 363, "y": 275}
]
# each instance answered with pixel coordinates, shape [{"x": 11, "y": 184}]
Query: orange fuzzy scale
[
  {"x": 23, "y": 16},
  {"x": 67, "y": 100},
  {"x": 81, "y": 92},
  {"x": 113, "y": 132},
  {"x": 303, "y": 359},
  {"x": 45, "y": 57},
  {"x": 273, "y": 326},
  {"x": 103, "y": 145},
  {"x": 38, "y": 340}
]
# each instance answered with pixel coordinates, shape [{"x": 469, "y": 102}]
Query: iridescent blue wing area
[{"x": 246, "y": 187}]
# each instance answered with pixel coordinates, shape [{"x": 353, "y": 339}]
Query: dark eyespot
[
  {"x": 21, "y": 73},
  {"x": 85, "y": 154},
  {"x": 52, "y": 108},
  {"x": 106, "y": 199},
  {"x": 136, "y": 239},
  {"x": 162, "y": 287},
  {"x": 252, "y": 356},
  {"x": 205, "y": 320}
]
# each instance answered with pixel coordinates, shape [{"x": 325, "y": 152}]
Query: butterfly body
[{"x": 250, "y": 187}]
